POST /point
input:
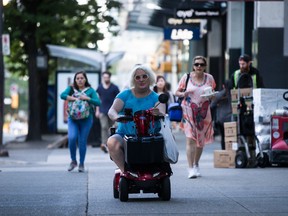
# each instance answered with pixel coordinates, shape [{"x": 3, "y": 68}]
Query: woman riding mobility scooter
[{"x": 145, "y": 169}]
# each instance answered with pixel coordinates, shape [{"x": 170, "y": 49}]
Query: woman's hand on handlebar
[{"x": 155, "y": 112}]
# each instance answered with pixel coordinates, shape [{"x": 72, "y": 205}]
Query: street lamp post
[
  {"x": 1, "y": 75},
  {"x": 2, "y": 152}
]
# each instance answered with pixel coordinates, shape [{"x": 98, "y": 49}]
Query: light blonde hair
[{"x": 147, "y": 70}]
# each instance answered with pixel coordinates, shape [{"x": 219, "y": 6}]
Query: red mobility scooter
[
  {"x": 145, "y": 169},
  {"x": 278, "y": 152}
]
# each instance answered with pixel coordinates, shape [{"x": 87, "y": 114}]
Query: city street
[
  {"x": 34, "y": 181},
  {"x": 55, "y": 53}
]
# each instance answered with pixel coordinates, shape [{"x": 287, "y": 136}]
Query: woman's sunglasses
[
  {"x": 144, "y": 77},
  {"x": 199, "y": 64}
]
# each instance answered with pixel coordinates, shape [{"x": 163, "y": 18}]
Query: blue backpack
[{"x": 174, "y": 109}]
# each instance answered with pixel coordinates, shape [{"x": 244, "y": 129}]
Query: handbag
[
  {"x": 174, "y": 109},
  {"x": 171, "y": 152}
]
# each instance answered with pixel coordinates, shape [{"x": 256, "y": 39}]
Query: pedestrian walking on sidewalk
[
  {"x": 198, "y": 125},
  {"x": 107, "y": 92},
  {"x": 161, "y": 88},
  {"x": 222, "y": 104},
  {"x": 79, "y": 94}
]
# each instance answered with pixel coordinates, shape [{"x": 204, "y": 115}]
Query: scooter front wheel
[
  {"x": 123, "y": 189},
  {"x": 165, "y": 193}
]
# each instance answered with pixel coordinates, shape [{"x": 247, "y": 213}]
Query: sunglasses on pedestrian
[
  {"x": 199, "y": 64},
  {"x": 144, "y": 77}
]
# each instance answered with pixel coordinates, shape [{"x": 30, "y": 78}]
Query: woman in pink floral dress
[{"x": 196, "y": 113}]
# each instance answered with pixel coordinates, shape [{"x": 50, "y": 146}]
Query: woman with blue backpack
[{"x": 82, "y": 99}]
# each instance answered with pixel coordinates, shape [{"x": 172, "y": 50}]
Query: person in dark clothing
[
  {"x": 222, "y": 105},
  {"x": 107, "y": 92},
  {"x": 240, "y": 75}
]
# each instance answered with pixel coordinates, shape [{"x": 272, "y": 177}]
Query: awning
[{"x": 96, "y": 59}]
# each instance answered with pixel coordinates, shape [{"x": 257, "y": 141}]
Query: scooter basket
[
  {"x": 175, "y": 112},
  {"x": 144, "y": 150}
]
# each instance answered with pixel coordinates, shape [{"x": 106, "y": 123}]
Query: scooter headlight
[
  {"x": 156, "y": 174},
  {"x": 135, "y": 175}
]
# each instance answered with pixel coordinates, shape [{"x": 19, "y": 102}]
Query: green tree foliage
[
  {"x": 62, "y": 22},
  {"x": 32, "y": 24}
]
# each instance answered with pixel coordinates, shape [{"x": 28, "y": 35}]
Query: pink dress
[{"x": 196, "y": 110}]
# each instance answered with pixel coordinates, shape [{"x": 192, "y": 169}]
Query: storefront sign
[
  {"x": 197, "y": 13},
  {"x": 181, "y": 33},
  {"x": 180, "y": 23}
]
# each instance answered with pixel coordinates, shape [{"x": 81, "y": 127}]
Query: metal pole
[
  {"x": 104, "y": 64},
  {"x": 3, "y": 153},
  {"x": 174, "y": 80},
  {"x": 1, "y": 76}
]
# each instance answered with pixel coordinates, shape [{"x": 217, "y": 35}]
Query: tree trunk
[
  {"x": 34, "y": 129},
  {"x": 43, "y": 95}
]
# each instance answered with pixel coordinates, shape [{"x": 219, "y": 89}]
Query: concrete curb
[{"x": 59, "y": 143}]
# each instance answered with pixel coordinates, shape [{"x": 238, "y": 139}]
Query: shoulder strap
[
  {"x": 85, "y": 89},
  {"x": 71, "y": 91},
  {"x": 187, "y": 80}
]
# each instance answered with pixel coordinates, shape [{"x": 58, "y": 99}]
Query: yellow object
[{"x": 15, "y": 101}]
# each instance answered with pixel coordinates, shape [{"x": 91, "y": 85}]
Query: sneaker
[
  {"x": 191, "y": 173},
  {"x": 72, "y": 165},
  {"x": 197, "y": 170},
  {"x": 81, "y": 168},
  {"x": 104, "y": 148}
]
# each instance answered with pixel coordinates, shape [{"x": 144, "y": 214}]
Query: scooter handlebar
[{"x": 124, "y": 118}]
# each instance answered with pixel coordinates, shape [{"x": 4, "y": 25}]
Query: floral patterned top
[{"x": 196, "y": 110}]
